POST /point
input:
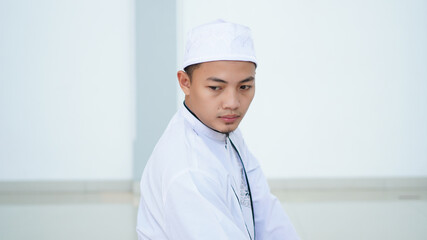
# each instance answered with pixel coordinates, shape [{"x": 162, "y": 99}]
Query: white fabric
[
  {"x": 219, "y": 40},
  {"x": 187, "y": 188},
  {"x": 236, "y": 171}
]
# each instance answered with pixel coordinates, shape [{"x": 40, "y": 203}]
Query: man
[{"x": 201, "y": 182}]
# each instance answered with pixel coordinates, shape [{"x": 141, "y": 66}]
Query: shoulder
[
  {"x": 173, "y": 146},
  {"x": 179, "y": 150}
]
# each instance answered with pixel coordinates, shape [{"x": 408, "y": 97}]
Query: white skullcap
[{"x": 219, "y": 40}]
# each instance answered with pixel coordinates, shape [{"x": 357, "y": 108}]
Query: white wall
[
  {"x": 341, "y": 85},
  {"x": 66, "y": 90}
]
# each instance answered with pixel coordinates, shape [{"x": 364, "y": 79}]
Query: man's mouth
[{"x": 229, "y": 118}]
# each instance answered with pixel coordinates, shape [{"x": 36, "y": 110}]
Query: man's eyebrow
[
  {"x": 216, "y": 79},
  {"x": 251, "y": 78}
]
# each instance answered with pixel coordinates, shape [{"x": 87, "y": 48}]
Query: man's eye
[
  {"x": 215, "y": 88},
  {"x": 245, "y": 87}
]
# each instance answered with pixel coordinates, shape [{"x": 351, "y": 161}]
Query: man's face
[{"x": 220, "y": 92}]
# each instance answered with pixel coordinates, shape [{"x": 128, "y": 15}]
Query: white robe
[{"x": 188, "y": 189}]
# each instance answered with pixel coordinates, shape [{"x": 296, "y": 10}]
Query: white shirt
[{"x": 190, "y": 183}]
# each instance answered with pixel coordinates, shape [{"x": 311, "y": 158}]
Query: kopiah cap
[{"x": 219, "y": 40}]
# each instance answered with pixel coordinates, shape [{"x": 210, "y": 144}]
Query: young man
[{"x": 201, "y": 182}]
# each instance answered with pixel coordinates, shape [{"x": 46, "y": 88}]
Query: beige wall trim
[
  {"x": 66, "y": 186},
  {"x": 275, "y": 184},
  {"x": 418, "y": 183}
]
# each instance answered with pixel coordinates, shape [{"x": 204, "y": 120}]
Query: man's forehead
[
  {"x": 219, "y": 80},
  {"x": 222, "y": 64}
]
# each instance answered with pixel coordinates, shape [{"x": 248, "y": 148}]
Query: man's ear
[{"x": 184, "y": 82}]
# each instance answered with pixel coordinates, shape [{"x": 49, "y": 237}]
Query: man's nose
[{"x": 231, "y": 100}]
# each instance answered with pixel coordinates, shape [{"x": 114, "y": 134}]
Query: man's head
[
  {"x": 219, "y": 76},
  {"x": 219, "y": 93}
]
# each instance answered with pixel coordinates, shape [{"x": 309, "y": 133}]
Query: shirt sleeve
[
  {"x": 271, "y": 221},
  {"x": 195, "y": 208}
]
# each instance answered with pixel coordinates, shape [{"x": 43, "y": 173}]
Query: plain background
[{"x": 341, "y": 86}]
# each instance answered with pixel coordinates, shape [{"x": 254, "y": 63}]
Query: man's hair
[{"x": 190, "y": 69}]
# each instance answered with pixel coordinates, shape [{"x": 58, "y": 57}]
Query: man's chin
[
  {"x": 227, "y": 129},
  {"x": 224, "y": 127}
]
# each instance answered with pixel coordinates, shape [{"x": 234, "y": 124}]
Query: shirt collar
[{"x": 199, "y": 127}]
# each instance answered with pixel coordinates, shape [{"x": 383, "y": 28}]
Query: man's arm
[{"x": 195, "y": 208}]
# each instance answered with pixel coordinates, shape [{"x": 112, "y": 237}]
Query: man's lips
[{"x": 229, "y": 118}]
